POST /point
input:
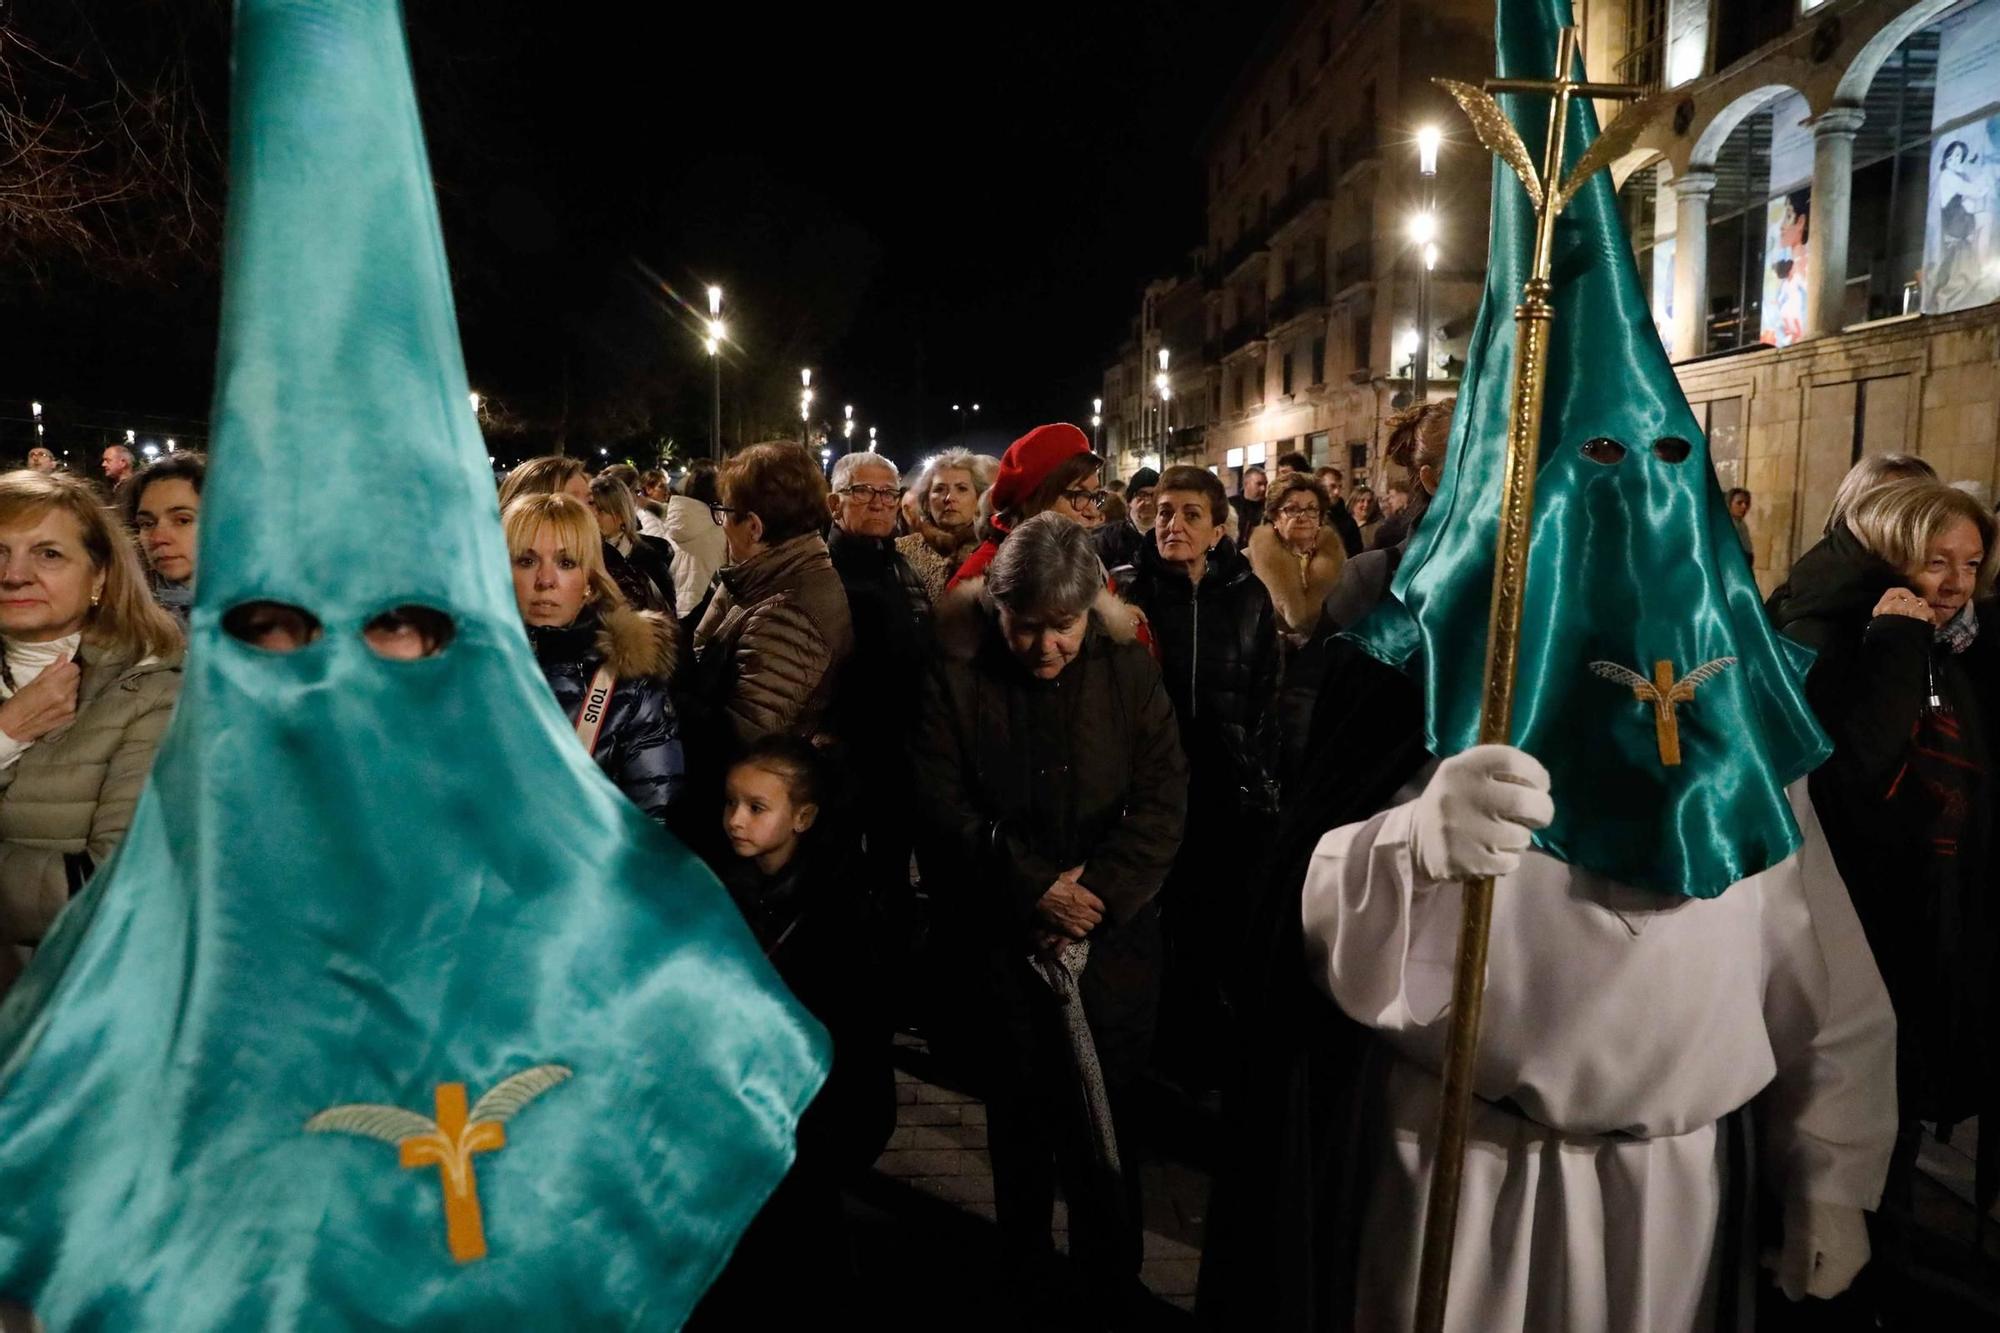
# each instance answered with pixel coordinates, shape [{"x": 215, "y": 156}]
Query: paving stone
[
  {"x": 935, "y": 1137},
  {"x": 930, "y": 1092},
  {"x": 922, "y": 1114},
  {"x": 975, "y": 1114},
  {"x": 1166, "y": 1247},
  {"x": 958, "y": 1189},
  {"x": 916, "y": 1162},
  {"x": 1171, "y": 1277}
]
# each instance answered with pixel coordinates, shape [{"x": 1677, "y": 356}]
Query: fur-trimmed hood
[
  {"x": 963, "y": 615},
  {"x": 635, "y": 644},
  {"x": 1297, "y": 598}
]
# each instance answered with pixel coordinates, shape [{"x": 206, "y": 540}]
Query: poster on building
[
  {"x": 1663, "y": 289},
  {"x": 1787, "y": 224},
  {"x": 1962, "y": 220},
  {"x": 1961, "y": 242}
]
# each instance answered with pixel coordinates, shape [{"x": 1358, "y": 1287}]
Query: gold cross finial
[{"x": 1548, "y": 190}]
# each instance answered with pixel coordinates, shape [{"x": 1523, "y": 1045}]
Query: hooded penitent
[
  {"x": 390, "y": 1012},
  {"x": 1668, "y": 713}
]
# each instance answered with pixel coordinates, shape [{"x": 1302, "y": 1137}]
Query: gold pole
[{"x": 1532, "y": 319}]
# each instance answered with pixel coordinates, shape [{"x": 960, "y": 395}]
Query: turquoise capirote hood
[
  {"x": 390, "y": 1012},
  {"x": 1651, "y": 685}
]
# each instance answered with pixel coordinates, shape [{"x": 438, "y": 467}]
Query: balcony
[
  {"x": 1250, "y": 247},
  {"x": 1355, "y": 148},
  {"x": 1237, "y": 337},
  {"x": 1304, "y": 297},
  {"x": 1354, "y": 265},
  {"x": 1185, "y": 442},
  {"x": 1306, "y": 192}
]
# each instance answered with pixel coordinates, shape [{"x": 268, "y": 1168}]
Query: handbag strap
[{"x": 596, "y": 703}]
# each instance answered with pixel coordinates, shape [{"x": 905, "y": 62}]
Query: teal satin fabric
[
  {"x": 1632, "y": 563},
  {"x": 352, "y": 880}
]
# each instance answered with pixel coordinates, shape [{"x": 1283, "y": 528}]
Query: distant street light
[
  {"x": 847, "y": 428},
  {"x": 805, "y": 404},
  {"x": 36, "y": 408},
  {"x": 476, "y": 401},
  {"x": 871, "y": 439},
  {"x": 1423, "y": 232},
  {"x": 1096, "y": 420},
  {"x": 1166, "y": 390},
  {"x": 170, "y": 444},
  {"x": 716, "y": 333}
]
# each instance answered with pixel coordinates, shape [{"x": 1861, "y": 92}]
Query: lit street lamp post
[
  {"x": 958, "y": 408},
  {"x": 1166, "y": 389},
  {"x": 847, "y": 429},
  {"x": 871, "y": 439},
  {"x": 715, "y": 336},
  {"x": 1096, "y": 420},
  {"x": 1423, "y": 230},
  {"x": 805, "y": 405}
]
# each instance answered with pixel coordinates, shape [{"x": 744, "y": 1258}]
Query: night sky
[{"x": 923, "y": 211}]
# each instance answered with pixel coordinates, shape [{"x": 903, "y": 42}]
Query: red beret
[{"x": 1030, "y": 459}]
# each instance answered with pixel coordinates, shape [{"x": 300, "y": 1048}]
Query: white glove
[
  {"x": 1475, "y": 816},
  {"x": 1826, "y": 1244}
]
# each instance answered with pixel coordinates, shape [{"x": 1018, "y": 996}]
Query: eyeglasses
[
  {"x": 1079, "y": 498},
  {"x": 871, "y": 494},
  {"x": 1299, "y": 511},
  {"x": 721, "y": 513}
]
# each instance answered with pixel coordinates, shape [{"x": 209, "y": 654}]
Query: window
[
  {"x": 1319, "y": 360},
  {"x": 1645, "y": 42},
  {"x": 1357, "y": 341},
  {"x": 1742, "y": 26},
  {"x": 1233, "y": 458},
  {"x": 1759, "y": 218},
  {"x": 1357, "y": 461},
  {"x": 1285, "y": 371},
  {"x": 1254, "y": 456},
  {"x": 1649, "y": 219},
  {"x": 1316, "y": 448},
  {"x": 1237, "y": 382},
  {"x": 1215, "y": 410}
]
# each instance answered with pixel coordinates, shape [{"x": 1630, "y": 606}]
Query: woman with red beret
[{"x": 1048, "y": 470}]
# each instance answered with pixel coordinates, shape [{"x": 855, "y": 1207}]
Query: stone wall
[{"x": 1788, "y": 422}]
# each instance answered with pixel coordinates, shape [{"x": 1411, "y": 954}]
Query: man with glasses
[
  {"x": 875, "y": 700},
  {"x": 1120, "y": 544}
]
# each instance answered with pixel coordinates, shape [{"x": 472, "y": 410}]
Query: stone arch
[
  {"x": 1867, "y": 62},
  {"x": 1638, "y": 160},
  {"x": 1724, "y": 122}
]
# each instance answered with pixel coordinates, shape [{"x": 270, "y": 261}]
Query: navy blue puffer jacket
[{"x": 639, "y": 747}]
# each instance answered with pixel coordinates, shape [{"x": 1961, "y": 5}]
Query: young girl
[{"x": 770, "y": 802}]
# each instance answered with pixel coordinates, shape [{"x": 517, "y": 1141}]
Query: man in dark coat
[
  {"x": 874, "y": 701},
  {"x": 1120, "y": 544}
]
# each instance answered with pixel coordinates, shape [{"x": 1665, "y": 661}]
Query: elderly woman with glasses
[
  {"x": 1050, "y": 470},
  {"x": 1049, "y": 768}
]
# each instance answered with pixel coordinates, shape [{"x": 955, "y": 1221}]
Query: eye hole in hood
[
  {"x": 1672, "y": 449},
  {"x": 273, "y": 626},
  {"x": 406, "y": 633},
  {"x": 1605, "y": 450}
]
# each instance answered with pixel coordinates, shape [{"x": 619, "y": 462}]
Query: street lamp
[
  {"x": 36, "y": 408},
  {"x": 805, "y": 403},
  {"x": 475, "y": 400},
  {"x": 847, "y": 428},
  {"x": 1096, "y": 420},
  {"x": 716, "y": 333},
  {"x": 1423, "y": 231},
  {"x": 1166, "y": 389},
  {"x": 961, "y": 418},
  {"x": 871, "y": 439}
]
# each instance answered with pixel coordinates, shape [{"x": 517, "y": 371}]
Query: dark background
[{"x": 926, "y": 205}]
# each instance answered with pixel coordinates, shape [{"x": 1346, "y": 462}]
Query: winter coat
[
  {"x": 1912, "y": 833},
  {"x": 1020, "y": 779},
  {"x": 1298, "y": 592},
  {"x": 770, "y": 648},
  {"x": 699, "y": 550},
  {"x": 633, "y": 581},
  {"x": 639, "y": 746},
  {"x": 66, "y": 803},
  {"x": 1249, "y": 513},
  {"x": 934, "y": 556},
  {"x": 1120, "y": 544},
  {"x": 1218, "y": 648},
  {"x": 654, "y": 558}
]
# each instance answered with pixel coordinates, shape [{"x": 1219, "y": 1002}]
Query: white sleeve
[
  {"x": 1829, "y": 1115},
  {"x": 1364, "y": 904},
  {"x": 11, "y": 751}
]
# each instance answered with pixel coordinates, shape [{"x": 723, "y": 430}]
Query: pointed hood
[
  {"x": 390, "y": 1012},
  {"x": 1633, "y": 561}
]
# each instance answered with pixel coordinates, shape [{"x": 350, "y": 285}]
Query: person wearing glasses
[
  {"x": 771, "y": 644},
  {"x": 1050, "y": 470},
  {"x": 1217, "y": 638}
]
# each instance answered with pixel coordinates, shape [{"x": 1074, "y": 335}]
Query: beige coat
[
  {"x": 72, "y": 793},
  {"x": 772, "y": 642},
  {"x": 1298, "y": 591}
]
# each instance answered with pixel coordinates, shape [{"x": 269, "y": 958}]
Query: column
[
  {"x": 1832, "y": 196},
  {"x": 1691, "y": 191}
]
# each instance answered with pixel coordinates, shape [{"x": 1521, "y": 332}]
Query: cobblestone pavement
[{"x": 935, "y": 1179}]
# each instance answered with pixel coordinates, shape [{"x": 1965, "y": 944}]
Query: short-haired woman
[
  {"x": 768, "y": 650},
  {"x": 587, "y": 639},
  {"x": 1049, "y": 767},
  {"x": 558, "y": 474},
  {"x": 89, "y": 670},
  {"x": 651, "y": 558},
  {"x": 165, "y": 511},
  {"x": 1896, "y": 599},
  {"x": 1050, "y": 470},
  {"x": 945, "y": 527},
  {"x": 1217, "y": 638}
]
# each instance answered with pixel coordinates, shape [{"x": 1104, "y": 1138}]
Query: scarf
[
  {"x": 1957, "y": 634},
  {"x": 25, "y": 661}
]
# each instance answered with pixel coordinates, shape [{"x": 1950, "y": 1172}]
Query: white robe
[{"x": 1624, "y": 1025}]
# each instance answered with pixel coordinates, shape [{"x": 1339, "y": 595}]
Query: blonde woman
[
  {"x": 89, "y": 670},
  {"x": 649, "y": 559},
  {"x": 587, "y": 639},
  {"x": 558, "y": 474},
  {"x": 1896, "y": 599}
]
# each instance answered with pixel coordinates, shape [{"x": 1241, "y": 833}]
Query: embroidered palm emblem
[
  {"x": 449, "y": 1142},
  {"x": 1665, "y": 694}
]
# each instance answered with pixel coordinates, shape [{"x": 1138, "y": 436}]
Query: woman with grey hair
[
  {"x": 1049, "y": 770},
  {"x": 945, "y": 525},
  {"x": 1869, "y": 475},
  {"x": 1897, "y": 603}
]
